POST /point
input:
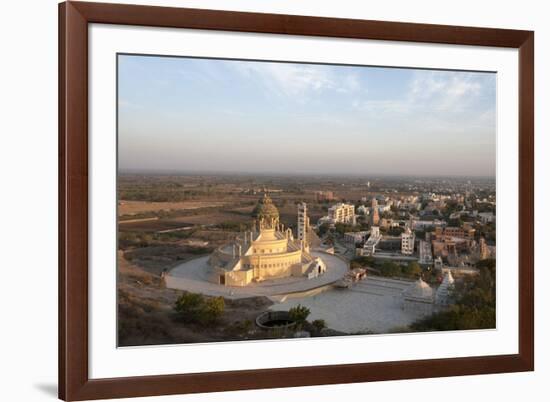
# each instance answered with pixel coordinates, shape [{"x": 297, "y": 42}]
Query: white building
[
  {"x": 443, "y": 293},
  {"x": 410, "y": 206},
  {"x": 425, "y": 224},
  {"x": 486, "y": 217},
  {"x": 370, "y": 246},
  {"x": 425, "y": 253},
  {"x": 355, "y": 237},
  {"x": 407, "y": 242},
  {"x": 384, "y": 208},
  {"x": 342, "y": 213}
]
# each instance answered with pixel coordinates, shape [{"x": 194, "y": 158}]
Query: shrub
[
  {"x": 318, "y": 325},
  {"x": 360, "y": 262},
  {"x": 299, "y": 314},
  {"x": 194, "y": 307},
  {"x": 413, "y": 269},
  {"x": 389, "y": 268},
  {"x": 189, "y": 305},
  {"x": 212, "y": 310}
]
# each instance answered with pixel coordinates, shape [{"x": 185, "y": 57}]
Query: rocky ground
[{"x": 146, "y": 314}]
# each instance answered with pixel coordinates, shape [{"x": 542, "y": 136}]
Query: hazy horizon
[
  {"x": 367, "y": 176},
  {"x": 207, "y": 115}
]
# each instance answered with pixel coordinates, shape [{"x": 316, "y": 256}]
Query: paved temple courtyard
[
  {"x": 372, "y": 305},
  {"x": 192, "y": 276}
]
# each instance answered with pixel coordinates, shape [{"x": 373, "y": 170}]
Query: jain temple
[{"x": 268, "y": 251}]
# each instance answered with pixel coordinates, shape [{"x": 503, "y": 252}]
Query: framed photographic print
[{"x": 260, "y": 200}]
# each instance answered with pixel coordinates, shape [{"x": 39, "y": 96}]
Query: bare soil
[
  {"x": 146, "y": 314},
  {"x": 136, "y": 207}
]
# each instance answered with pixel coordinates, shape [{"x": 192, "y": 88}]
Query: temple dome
[
  {"x": 420, "y": 290},
  {"x": 265, "y": 209}
]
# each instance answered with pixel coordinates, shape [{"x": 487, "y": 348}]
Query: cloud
[
  {"x": 299, "y": 81},
  {"x": 383, "y": 107},
  {"x": 444, "y": 91},
  {"x": 449, "y": 93}
]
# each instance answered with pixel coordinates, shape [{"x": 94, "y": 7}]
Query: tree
[
  {"x": 193, "y": 307},
  {"x": 387, "y": 215},
  {"x": 395, "y": 231},
  {"x": 299, "y": 314},
  {"x": 212, "y": 310},
  {"x": 456, "y": 222},
  {"x": 413, "y": 269},
  {"x": 389, "y": 268},
  {"x": 323, "y": 229},
  {"x": 360, "y": 262},
  {"x": 318, "y": 325},
  {"x": 189, "y": 305},
  {"x": 342, "y": 228}
]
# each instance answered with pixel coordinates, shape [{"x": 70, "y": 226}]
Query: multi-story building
[
  {"x": 486, "y": 217},
  {"x": 355, "y": 237},
  {"x": 342, "y": 213},
  {"x": 425, "y": 224},
  {"x": 324, "y": 195},
  {"x": 407, "y": 242},
  {"x": 425, "y": 253},
  {"x": 453, "y": 231},
  {"x": 450, "y": 232}
]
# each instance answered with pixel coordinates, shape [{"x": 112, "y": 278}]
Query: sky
[{"x": 210, "y": 115}]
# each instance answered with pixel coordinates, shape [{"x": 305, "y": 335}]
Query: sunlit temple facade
[{"x": 268, "y": 251}]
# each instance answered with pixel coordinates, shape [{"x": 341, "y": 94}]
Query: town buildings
[
  {"x": 425, "y": 256},
  {"x": 342, "y": 213},
  {"x": 353, "y": 238},
  {"x": 448, "y": 232},
  {"x": 486, "y": 217},
  {"x": 324, "y": 196}
]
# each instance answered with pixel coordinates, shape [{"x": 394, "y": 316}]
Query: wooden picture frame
[{"x": 74, "y": 381}]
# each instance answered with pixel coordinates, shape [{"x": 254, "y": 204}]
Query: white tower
[{"x": 302, "y": 222}]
